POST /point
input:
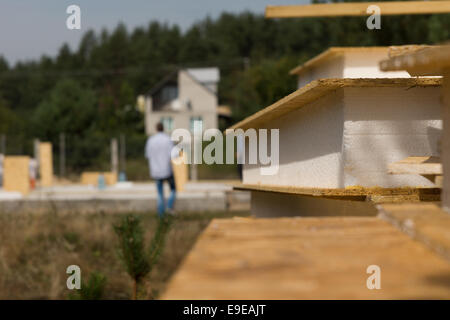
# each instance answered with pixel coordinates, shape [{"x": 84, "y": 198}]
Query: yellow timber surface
[{"x": 308, "y": 258}]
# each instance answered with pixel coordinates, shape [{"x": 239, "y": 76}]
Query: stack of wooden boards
[{"x": 16, "y": 170}]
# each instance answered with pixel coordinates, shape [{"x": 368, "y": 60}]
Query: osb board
[
  {"x": 353, "y": 193},
  {"x": 180, "y": 172},
  {"x": 91, "y": 178},
  {"x": 16, "y": 174},
  {"x": 417, "y": 165},
  {"x": 357, "y": 9},
  {"x": 46, "y": 164},
  {"x": 395, "y": 51},
  {"x": 307, "y": 258},
  {"x": 424, "y": 222},
  {"x": 427, "y": 61},
  {"x": 318, "y": 88}
]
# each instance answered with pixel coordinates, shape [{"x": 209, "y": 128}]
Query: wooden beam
[
  {"x": 417, "y": 165},
  {"x": 357, "y": 9}
]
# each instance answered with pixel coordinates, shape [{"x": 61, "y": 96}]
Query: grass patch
[{"x": 36, "y": 249}]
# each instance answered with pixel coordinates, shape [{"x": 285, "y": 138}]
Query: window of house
[
  {"x": 164, "y": 96},
  {"x": 194, "y": 120},
  {"x": 167, "y": 123},
  {"x": 169, "y": 93}
]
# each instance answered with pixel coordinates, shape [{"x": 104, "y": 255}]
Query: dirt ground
[{"x": 36, "y": 249}]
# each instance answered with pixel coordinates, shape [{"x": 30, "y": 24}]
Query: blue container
[{"x": 101, "y": 182}]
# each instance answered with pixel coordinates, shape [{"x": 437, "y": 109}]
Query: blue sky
[{"x": 30, "y": 28}]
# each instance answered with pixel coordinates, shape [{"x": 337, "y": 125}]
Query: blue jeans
[{"x": 161, "y": 201}]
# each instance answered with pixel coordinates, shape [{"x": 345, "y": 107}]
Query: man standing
[{"x": 158, "y": 151}]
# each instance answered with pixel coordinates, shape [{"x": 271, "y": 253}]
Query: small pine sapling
[{"x": 137, "y": 260}]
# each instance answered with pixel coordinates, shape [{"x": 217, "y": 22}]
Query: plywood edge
[
  {"x": 318, "y": 88},
  {"x": 424, "y": 222},
  {"x": 357, "y": 9},
  {"x": 355, "y": 193}
]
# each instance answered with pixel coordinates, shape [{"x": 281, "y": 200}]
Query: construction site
[{"x": 354, "y": 204}]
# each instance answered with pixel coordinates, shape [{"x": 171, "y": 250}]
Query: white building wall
[
  {"x": 385, "y": 125},
  {"x": 310, "y": 147},
  {"x": 366, "y": 65},
  {"x": 203, "y": 101},
  {"x": 351, "y": 64},
  {"x": 331, "y": 68},
  {"x": 348, "y": 138}
]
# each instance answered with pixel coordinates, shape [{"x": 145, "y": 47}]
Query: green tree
[{"x": 70, "y": 109}]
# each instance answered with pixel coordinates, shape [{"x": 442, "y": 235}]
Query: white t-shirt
[{"x": 158, "y": 152}]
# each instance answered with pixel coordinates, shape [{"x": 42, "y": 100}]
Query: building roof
[
  {"x": 333, "y": 52},
  {"x": 205, "y": 75},
  {"x": 318, "y": 88},
  {"x": 425, "y": 61},
  {"x": 169, "y": 77}
]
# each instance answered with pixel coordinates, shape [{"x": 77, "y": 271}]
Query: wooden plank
[
  {"x": 91, "y": 178},
  {"x": 395, "y": 51},
  {"x": 46, "y": 164},
  {"x": 357, "y": 9},
  {"x": 350, "y": 193},
  {"x": 307, "y": 258},
  {"x": 426, "y": 223},
  {"x": 417, "y": 165},
  {"x": 424, "y": 62},
  {"x": 16, "y": 174},
  {"x": 180, "y": 172},
  {"x": 318, "y": 88}
]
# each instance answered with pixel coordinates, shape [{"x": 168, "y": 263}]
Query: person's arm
[{"x": 147, "y": 151}]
